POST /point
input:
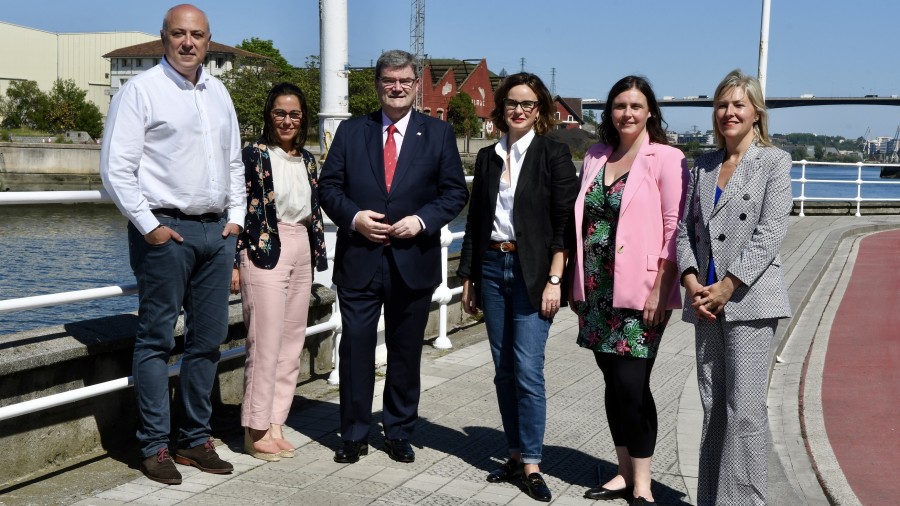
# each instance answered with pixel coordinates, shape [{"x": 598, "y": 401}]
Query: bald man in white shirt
[{"x": 171, "y": 162}]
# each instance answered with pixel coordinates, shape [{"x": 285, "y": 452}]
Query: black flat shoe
[
  {"x": 351, "y": 451},
  {"x": 640, "y": 501},
  {"x": 509, "y": 470},
  {"x": 536, "y": 487},
  {"x": 599, "y": 492},
  {"x": 399, "y": 450}
]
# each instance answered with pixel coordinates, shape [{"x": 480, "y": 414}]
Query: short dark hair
[
  {"x": 395, "y": 58},
  {"x": 656, "y": 125},
  {"x": 280, "y": 90},
  {"x": 545, "y": 119}
]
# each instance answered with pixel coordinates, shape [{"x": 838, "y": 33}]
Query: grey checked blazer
[{"x": 744, "y": 230}]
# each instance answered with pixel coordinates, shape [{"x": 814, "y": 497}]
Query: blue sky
[{"x": 824, "y": 47}]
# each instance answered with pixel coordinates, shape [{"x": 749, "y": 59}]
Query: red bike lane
[{"x": 861, "y": 377}]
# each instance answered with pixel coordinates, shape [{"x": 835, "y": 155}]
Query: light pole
[{"x": 764, "y": 46}]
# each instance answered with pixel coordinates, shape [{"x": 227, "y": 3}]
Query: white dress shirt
[
  {"x": 171, "y": 144},
  {"x": 503, "y": 228}
]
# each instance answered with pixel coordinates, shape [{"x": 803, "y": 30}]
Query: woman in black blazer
[{"x": 513, "y": 259}]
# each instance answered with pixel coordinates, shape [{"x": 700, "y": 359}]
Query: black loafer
[
  {"x": 351, "y": 451},
  {"x": 640, "y": 501},
  {"x": 599, "y": 492},
  {"x": 536, "y": 487},
  {"x": 511, "y": 469},
  {"x": 399, "y": 450}
]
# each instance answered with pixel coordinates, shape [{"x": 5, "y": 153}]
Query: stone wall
[{"x": 41, "y": 167}]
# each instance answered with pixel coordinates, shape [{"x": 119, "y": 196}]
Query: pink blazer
[{"x": 648, "y": 219}]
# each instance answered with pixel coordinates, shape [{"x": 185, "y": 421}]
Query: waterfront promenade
[{"x": 459, "y": 438}]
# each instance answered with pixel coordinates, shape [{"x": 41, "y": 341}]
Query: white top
[
  {"x": 170, "y": 144},
  {"x": 503, "y": 228},
  {"x": 292, "y": 192}
]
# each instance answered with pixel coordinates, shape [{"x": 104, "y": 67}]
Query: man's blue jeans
[
  {"x": 518, "y": 335},
  {"x": 195, "y": 274}
]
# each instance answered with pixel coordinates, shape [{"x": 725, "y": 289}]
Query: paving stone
[{"x": 406, "y": 495}]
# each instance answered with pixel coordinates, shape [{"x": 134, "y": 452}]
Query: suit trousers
[
  {"x": 405, "y": 317},
  {"x": 276, "y": 308},
  {"x": 195, "y": 275},
  {"x": 732, "y": 372}
]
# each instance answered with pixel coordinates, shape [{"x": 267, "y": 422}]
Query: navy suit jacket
[{"x": 428, "y": 182}]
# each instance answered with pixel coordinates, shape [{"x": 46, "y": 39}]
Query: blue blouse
[{"x": 711, "y": 273}]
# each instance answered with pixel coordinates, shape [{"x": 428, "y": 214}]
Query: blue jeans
[
  {"x": 195, "y": 274},
  {"x": 518, "y": 335}
]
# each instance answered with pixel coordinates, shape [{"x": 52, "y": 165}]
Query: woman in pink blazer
[{"x": 624, "y": 276}]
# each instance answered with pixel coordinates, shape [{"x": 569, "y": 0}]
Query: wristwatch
[{"x": 553, "y": 279}]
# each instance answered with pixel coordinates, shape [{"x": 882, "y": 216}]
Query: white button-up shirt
[
  {"x": 503, "y": 228},
  {"x": 171, "y": 144}
]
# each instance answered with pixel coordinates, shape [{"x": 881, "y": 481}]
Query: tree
[
  {"x": 799, "y": 153},
  {"x": 363, "y": 97},
  {"x": 590, "y": 117},
  {"x": 23, "y": 105},
  {"x": 819, "y": 152},
  {"x": 66, "y": 109},
  {"x": 461, "y": 114},
  {"x": 266, "y": 48}
]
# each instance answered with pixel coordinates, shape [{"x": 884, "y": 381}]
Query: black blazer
[
  {"x": 428, "y": 182},
  {"x": 542, "y": 206}
]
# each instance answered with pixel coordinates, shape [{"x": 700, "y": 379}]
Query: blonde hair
[{"x": 752, "y": 92}]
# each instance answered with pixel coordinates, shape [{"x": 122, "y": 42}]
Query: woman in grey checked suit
[{"x": 734, "y": 220}]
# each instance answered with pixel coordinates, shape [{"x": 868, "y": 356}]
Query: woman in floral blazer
[{"x": 282, "y": 242}]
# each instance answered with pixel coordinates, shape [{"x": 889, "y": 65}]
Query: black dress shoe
[
  {"x": 399, "y": 450},
  {"x": 536, "y": 487},
  {"x": 511, "y": 469},
  {"x": 351, "y": 451},
  {"x": 640, "y": 501},
  {"x": 599, "y": 492}
]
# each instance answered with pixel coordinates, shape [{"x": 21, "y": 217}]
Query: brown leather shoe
[
  {"x": 160, "y": 468},
  {"x": 204, "y": 458}
]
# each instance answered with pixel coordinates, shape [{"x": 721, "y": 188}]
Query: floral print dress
[{"x": 602, "y": 327}]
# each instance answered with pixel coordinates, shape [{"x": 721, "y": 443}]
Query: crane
[{"x": 864, "y": 144}]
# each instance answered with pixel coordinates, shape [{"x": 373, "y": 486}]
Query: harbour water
[{"x": 57, "y": 248}]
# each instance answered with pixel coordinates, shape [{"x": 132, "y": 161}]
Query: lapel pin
[{"x": 418, "y": 133}]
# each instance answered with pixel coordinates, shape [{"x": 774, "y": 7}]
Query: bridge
[{"x": 771, "y": 103}]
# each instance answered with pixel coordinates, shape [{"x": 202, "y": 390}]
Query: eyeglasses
[
  {"x": 526, "y": 105},
  {"x": 390, "y": 83},
  {"x": 280, "y": 114}
]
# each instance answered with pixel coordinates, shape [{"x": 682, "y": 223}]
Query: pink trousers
[{"x": 276, "y": 306}]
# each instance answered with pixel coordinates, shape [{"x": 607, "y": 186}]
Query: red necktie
[{"x": 390, "y": 157}]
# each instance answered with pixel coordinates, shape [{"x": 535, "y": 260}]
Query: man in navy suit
[{"x": 390, "y": 181}]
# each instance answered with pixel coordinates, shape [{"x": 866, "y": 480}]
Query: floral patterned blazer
[{"x": 260, "y": 234}]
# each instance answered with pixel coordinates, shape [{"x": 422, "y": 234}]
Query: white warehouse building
[{"x": 43, "y": 57}]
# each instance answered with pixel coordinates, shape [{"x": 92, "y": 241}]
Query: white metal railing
[
  {"x": 442, "y": 295},
  {"x": 859, "y": 182}
]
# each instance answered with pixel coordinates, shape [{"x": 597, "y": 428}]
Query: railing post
[
  {"x": 859, "y": 181},
  {"x": 442, "y": 342},
  {"x": 802, "y": 186},
  {"x": 334, "y": 378}
]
